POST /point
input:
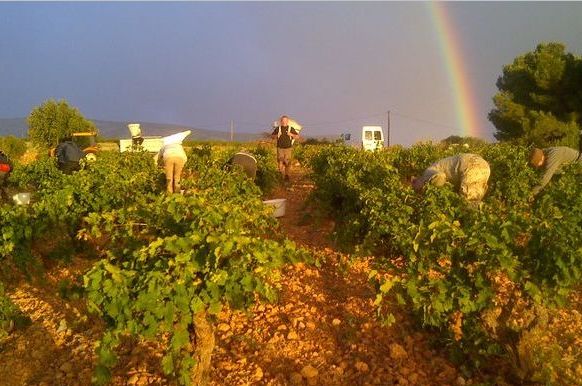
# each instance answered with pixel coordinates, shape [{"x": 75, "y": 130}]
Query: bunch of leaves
[
  {"x": 200, "y": 157},
  {"x": 13, "y": 147},
  {"x": 59, "y": 202},
  {"x": 8, "y": 312},
  {"x": 10, "y": 315},
  {"x": 413, "y": 161},
  {"x": 54, "y": 120},
  {"x": 511, "y": 178},
  {"x": 343, "y": 178},
  {"x": 37, "y": 175},
  {"x": 555, "y": 245},
  {"x": 538, "y": 102},
  {"x": 304, "y": 152},
  {"x": 448, "y": 275},
  {"x": 204, "y": 157},
  {"x": 18, "y": 226},
  {"x": 268, "y": 175},
  {"x": 171, "y": 258}
]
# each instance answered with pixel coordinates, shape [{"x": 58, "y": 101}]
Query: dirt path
[{"x": 323, "y": 330}]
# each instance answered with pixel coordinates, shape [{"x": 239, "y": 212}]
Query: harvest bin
[
  {"x": 278, "y": 204},
  {"x": 21, "y": 198}
]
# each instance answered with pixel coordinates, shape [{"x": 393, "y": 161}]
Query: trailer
[
  {"x": 137, "y": 142},
  {"x": 152, "y": 144}
]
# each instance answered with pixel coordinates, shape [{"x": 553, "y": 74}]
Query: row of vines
[
  {"x": 165, "y": 265},
  {"x": 483, "y": 278}
]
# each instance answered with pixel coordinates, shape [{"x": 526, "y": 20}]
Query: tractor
[{"x": 86, "y": 141}]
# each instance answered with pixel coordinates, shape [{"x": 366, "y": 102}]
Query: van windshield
[
  {"x": 368, "y": 135},
  {"x": 378, "y": 135}
]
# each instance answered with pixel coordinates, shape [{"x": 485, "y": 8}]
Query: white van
[{"x": 372, "y": 138}]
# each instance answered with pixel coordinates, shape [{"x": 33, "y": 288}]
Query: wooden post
[{"x": 388, "y": 130}]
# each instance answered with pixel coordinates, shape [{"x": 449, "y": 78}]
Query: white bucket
[
  {"x": 278, "y": 204},
  {"x": 134, "y": 129},
  {"x": 21, "y": 198}
]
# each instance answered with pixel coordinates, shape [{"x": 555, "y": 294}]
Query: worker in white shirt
[{"x": 173, "y": 158}]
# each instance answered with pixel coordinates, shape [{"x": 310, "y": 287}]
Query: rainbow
[{"x": 450, "y": 47}]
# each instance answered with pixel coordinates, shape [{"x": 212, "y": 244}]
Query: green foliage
[
  {"x": 7, "y": 312},
  {"x": 205, "y": 156},
  {"x": 556, "y": 238},
  {"x": 59, "y": 202},
  {"x": 538, "y": 101},
  {"x": 13, "y": 147},
  {"x": 168, "y": 258},
  {"x": 54, "y": 120},
  {"x": 40, "y": 174},
  {"x": 17, "y": 228},
  {"x": 414, "y": 160},
  {"x": 10, "y": 316},
  {"x": 200, "y": 157},
  {"x": 303, "y": 152},
  {"x": 511, "y": 178},
  {"x": 70, "y": 290},
  {"x": 354, "y": 195},
  {"x": 267, "y": 173}
]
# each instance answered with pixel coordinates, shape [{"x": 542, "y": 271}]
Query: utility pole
[
  {"x": 388, "y": 130},
  {"x": 231, "y": 130}
]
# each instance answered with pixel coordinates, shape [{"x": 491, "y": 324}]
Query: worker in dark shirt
[
  {"x": 69, "y": 155},
  {"x": 285, "y": 136}
]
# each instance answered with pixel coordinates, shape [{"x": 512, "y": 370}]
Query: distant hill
[
  {"x": 14, "y": 126},
  {"x": 111, "y": 129}
]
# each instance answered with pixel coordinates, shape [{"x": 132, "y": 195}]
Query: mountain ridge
[{"x": 118, "y": 130}]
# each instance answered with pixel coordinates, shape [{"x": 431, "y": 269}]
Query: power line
[
  {"x": 225, "y": 125},
  {"x": 424, "y": 120},
  {"x": 343, "y": 121}
]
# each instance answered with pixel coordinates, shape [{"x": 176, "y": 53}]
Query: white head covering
[
  {"x": 292, "y": 123},
  {"x": 176, "y": 138}
]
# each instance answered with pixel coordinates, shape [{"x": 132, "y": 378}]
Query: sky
[{"x": 332, "y": 66}]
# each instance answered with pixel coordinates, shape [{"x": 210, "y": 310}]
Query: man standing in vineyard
[
  {"x": 285, "y": 135},
  {"x": 552, "y": 159},
  {"x": 468, "y": 173}
]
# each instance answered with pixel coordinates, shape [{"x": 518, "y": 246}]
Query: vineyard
[{"x": 363, "y": 281}]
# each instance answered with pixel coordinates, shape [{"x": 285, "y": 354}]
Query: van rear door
[{"x": 372, "y": 138}]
